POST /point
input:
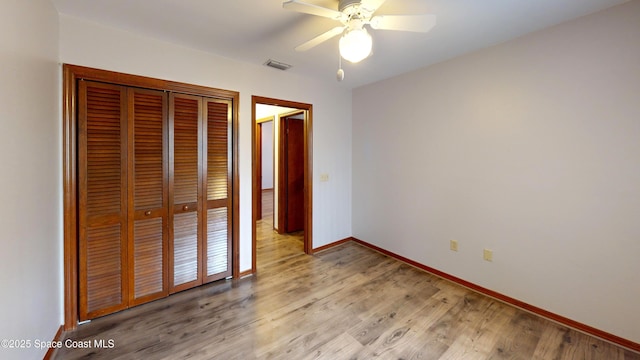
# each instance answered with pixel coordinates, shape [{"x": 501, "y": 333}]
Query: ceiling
[{"x": 256, "y": 30}]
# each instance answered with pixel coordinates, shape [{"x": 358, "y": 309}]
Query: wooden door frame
[
  {"x": 71, "y": 75},
  {"x": 282, "y": 171},
  {"x": 308, "y": 171},
  {"x": 258, "y": 146}
]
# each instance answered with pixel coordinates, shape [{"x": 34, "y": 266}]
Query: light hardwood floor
[
  {"x": 271, "y": 246},
  {"x": 347, "y": 302}
]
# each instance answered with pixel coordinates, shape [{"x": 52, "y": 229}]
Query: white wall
[
  {"x": 30, "y": 185},
  {"x": 89, "y": 44},
  {"x": 267, "y": 155},
  {"x": 530, "y": 148}
]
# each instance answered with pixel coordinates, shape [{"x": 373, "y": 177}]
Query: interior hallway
[{"x": 271, "y": 246}]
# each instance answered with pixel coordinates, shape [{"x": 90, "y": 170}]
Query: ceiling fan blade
[
  {"x": 320, "y": 38},
  {"x": 416, "y": 23},
  {"x": 303, "y": 7},
  {"x": 372, "y": 5}
]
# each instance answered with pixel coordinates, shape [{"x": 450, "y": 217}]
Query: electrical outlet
[
  {"x": 488, "y": 255},
  {"x": 324, "y": 177},
  {"x": 453, "y": 245}
]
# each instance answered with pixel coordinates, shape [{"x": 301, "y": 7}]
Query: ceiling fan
[{"x": 356, "y": 43}]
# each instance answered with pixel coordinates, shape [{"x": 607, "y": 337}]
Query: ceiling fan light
[{"x": 355, "y": 45}]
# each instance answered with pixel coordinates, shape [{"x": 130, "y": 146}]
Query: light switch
[{"x": 453, "y": 245}]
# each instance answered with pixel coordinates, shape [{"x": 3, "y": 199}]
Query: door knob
[{"x": 185, "y": 208}]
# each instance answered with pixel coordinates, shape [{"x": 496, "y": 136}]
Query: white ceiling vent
[{"x": 277, "y": 64}]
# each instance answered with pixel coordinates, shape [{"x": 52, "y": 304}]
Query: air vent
[{"x": 277, "y": 65}]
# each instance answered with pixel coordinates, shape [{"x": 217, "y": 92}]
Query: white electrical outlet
[
  {"x": 453, "y": 245},
  {"x": 324, "y": 177},
  {"x": 488, "y": 255}
]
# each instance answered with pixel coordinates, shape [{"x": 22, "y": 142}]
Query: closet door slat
[
  {"x": 102, "y": 216},
  {"x": 148, "y": 217},
  {"x": 218, "y": 188},
  {"x": 185, "y": 118}
]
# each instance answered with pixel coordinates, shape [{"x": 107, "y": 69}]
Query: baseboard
[
  {"x": 628, "y": 344},
  {"x": 329, "y": 246},
  {"x": 56, "y": 338}
]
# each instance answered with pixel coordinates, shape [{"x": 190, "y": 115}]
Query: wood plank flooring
[
  {"x": 347, "y": 302},
  {"x": 271, "y": 246}
]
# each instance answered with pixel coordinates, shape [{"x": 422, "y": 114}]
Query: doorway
[{"x": 299, "y": 117}]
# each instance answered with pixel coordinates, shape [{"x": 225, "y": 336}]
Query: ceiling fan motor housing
[
  {"x": 346, "y": 3},
  {"x": 355, "y": 14}
]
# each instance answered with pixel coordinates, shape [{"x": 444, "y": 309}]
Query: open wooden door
[{"x": 292, "y": 174}]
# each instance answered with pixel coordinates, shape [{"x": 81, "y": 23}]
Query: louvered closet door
[
  {"x": 148, "y": 215},
  {"x": 218, "y": 190},
  {"x": 102, "y": 182},
  {"x": 185, "y": 120}
]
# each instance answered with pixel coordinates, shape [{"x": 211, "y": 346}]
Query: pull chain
[{"x": 340, "y": 73}]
